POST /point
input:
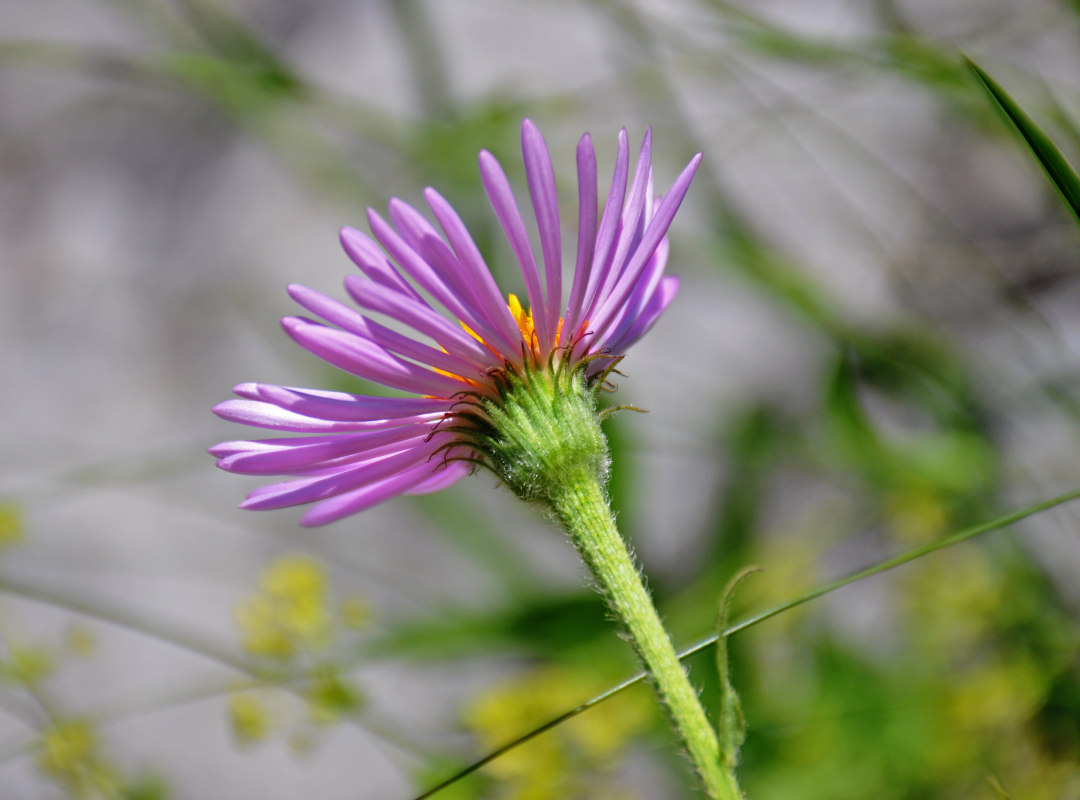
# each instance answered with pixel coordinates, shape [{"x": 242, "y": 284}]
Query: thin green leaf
[
  {"x": 1060, "y": 172},
  {"x": 730, "y": 724},
  {"x": 903, "y": 558}
]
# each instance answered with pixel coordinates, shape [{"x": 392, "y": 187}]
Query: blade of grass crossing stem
[
  {"x": 896, "y": 561},
  {"x": 1060, "y": 172}
]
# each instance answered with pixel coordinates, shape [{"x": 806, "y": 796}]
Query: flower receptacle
[{"x": 543, "y": 432}]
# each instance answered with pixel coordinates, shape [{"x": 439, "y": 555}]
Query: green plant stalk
[
  {"x": 708, "y": 641},
  {"x": 542, "y": 437},
  {"x": 582, "y": 508}
]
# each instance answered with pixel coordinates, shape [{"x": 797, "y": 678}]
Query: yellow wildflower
[
  {"x": 11, "y": 525},
  {"x": 249, "y": 718},
  {"x": 564, "y": 761},
  {"x": 289, "y": 612}
]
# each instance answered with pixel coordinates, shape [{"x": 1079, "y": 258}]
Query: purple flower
[{"x": 361, "y": 450}]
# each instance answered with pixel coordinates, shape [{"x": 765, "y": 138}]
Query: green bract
[{"x": 542, "y": 431}]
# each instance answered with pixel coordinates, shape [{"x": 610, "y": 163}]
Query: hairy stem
[{"x": 582, "y": 508}]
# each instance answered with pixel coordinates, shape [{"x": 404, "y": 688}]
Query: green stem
[{"x": 583, "y": 510}]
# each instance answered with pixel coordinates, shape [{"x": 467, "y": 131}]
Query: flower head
[{"x": 469, "y": 375}]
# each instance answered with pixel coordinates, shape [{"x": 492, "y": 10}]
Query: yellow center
[{"x": 524, "y": 320}]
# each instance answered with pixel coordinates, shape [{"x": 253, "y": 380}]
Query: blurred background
[{"x": 875, "y": 344}]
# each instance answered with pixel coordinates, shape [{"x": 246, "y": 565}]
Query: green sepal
[
  {"x": 730, "y": 723},
  {"x": 542, "y": 433}
]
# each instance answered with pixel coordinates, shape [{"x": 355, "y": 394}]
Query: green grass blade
[
  {"x": 1060, "y": 172},
  {"x": 731, "y": 724},
  {"x": 896, "y": 561}
]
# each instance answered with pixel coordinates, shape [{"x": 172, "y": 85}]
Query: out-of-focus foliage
[
  {"x": 70, "y": 755},
  {"x": 292, "y": 618},
  {"x": 926, "y": 286},
  {"x": 576, "y": 759},
  {"x": 11, "y": 525},
  {"x": 68, "y": 749}
]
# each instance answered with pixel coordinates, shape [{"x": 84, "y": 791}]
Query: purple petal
[
  {"x": 421, "y": 318},
  {"x": 545, "y": 202},
  {"x": 629, "y": 228},
  {"x": 364, "y": 497},
  {"x": 446, "y": 475},
  {"x": 367, "y": 255},
  {"x": 285, "y": 456},
  {"x": 665, "y": 213},
  {"x": 656, "y": 305},
  {"x": 343, "y": 406},
  {"x": 429, "y": 245},
  {"x": 469, "y": 256},
  {"x": 353, "y": 322},
  {"x": 609, "y": 227},
  {"x": 425, "y": 275},
  {"x": 502, "y": 201},
  {"x": 587, "y": 204},
  {"x": 266, "y": 415},
  {"x": 253, "y": 446},
  {"x": 309, "y": 489},
  {"x": 623, "y": 316},
  {"x": 368, "y": 360}
]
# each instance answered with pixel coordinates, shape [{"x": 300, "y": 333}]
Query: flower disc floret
[{"x": 472, "y": 358}]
